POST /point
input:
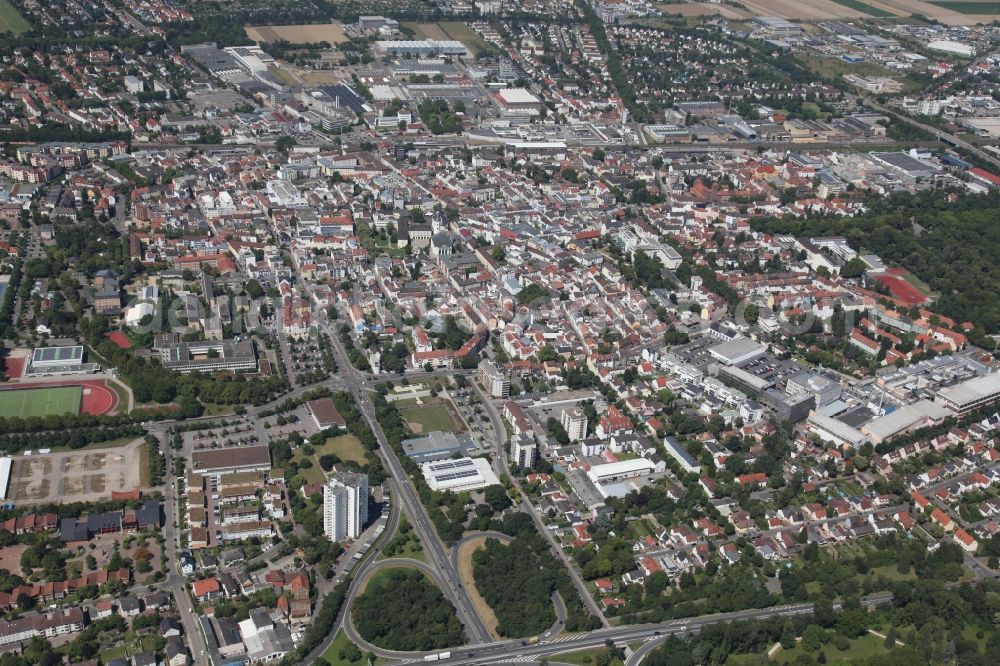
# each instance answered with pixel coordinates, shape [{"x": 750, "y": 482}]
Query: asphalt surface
[{"x": 509, "y": 650}]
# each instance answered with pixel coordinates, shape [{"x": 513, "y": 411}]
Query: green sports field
[
  {"x": 11, "y": 20},
  {"x": 24, "y": 403}
]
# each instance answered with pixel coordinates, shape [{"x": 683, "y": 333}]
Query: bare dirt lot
[
  {"x": 75, "y": 475},
  {"x": 332, "y": 33},
  {"x": 10, "y": 558}
]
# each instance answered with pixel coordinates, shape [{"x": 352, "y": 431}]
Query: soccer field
[
  {"x": 41, "y": 401},
  {"x": 11, "y": 20}
]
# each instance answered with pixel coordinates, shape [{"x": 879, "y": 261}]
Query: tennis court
[{"x": 25, "y": 403}]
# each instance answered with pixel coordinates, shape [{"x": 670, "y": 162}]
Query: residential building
[{"x": 345, "y": 506}]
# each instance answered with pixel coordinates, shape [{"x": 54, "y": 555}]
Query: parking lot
[{"x": 70, "y": 476}]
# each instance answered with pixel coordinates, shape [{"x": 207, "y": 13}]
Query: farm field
[
  {"x": 949, "y": 13},
  {"x": 11, "y": 20},
  {"x": 333, "y": 33},
  {"x": 26, "y": 403},
  {"x": 987, "y": 8},
  {"x": 871, "y": 10},
  {"x": 691, "y": 9}
]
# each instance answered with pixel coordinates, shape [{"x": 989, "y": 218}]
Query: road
[
  {"x": 389, "y": 563},
  {"x": 501, "y": 651},
  {"x": 407, "y": 497},
  {"x": 175, "y": 582},
  {"x": 501, "y": 469},
  {"x": 638, "y": 655}
]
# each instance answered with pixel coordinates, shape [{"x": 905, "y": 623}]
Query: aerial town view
[{"x": 467, "y": 332}]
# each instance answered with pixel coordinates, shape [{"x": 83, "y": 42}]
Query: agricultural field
[
  {"x": 985, "y": 8},
  {"x": 26, "y": 403},
  {"x": 960, "y": 12},
  {"x": 866, "y": 8},
  {"x": 332, "y": 33},
  {"x": 11, "y": 20},
  {"x": 694, "y": 9}
]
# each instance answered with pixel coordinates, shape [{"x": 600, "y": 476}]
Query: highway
[
  {"x": 406, "y": 495},
  {"x": 501, "y": 651},
  {"x": 500, "y": 467}
]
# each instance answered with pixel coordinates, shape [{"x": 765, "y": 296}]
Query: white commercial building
[
  {"x": 145, "y": 304},
  {"x": 737, "y": 351},
  {"x": 5, "y": 464},
  {"x": 920, "y": 414},
  {"x": 621, "y": 470},
  {"x": 345, "y": 506},
  {"x": 460, "y": 474},
  {"x": 420, "y": 47},
  {"x": 955, "y": 48},
  {"x": 971, "y": 394},
  {"x": 830, "y": 429}
]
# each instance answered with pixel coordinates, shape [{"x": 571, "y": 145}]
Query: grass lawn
[
  {"x": 412, "y": 551},
  {"x": 121, "y": 393},
  {"x": 889, "y": 572},
  {"x": 211, "y": 409},
  {"x": 860, "y": 648},
  {"x": 917, "y": 283},
  {"x": 835, "y": 68},
  {"x": 144, "y": 466},
  {"x": 583, "y": 657},
  {"x": 332, "y": 654},
  {"x": 639, "y": 528},
  {"x": 25, "y": 403},
  {"x": 345, "y": 447},
  {"x": 11, "y": 20},
  {"x": 429, "y": 418},
  {"x": 462, "y": 32},
  {"x": 865, "y": 7},
  {"x": 967, "y": 7},
  {"x": 382, "y": 575},
  {"x": 313, "y": 475}
]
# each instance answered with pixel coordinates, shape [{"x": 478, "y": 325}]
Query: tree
[
  {"x": 813, "y": 638},
  {"x": 496, "y": 497},
  {"x": 25, "y": 602},
  {"x": 854, "y": 268}
]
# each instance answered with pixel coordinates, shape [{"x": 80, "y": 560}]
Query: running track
[{"x": 97, "y": 397}]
